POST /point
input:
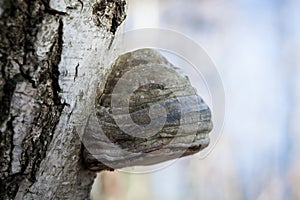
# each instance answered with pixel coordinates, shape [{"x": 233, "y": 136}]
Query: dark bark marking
[
  {"x": 76, "y": 72},
  {"x": 56, "y": 50},
  {"x": 109, "y": 14},
  {"x": 81, "y": 3}
]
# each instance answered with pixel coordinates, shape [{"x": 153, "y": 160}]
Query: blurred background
[{"x": 255, "y": 46}]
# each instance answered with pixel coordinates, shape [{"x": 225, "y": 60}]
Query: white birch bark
[{"x": 54, "y": 56}]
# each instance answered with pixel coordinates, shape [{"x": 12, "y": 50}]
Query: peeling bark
[{"x": 53, "y": 58}]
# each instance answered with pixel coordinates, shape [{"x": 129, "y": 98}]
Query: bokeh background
[{"x": 255, "y": 45}]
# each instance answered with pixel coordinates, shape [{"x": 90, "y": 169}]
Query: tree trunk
[{"x": 53, "y": 56}]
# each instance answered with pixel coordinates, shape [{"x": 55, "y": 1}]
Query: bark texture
[{"x": 53, "y": 56}]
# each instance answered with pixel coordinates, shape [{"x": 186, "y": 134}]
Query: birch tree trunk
[{"x": 53, "y": 56}]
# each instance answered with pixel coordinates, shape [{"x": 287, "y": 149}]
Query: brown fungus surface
[{"x": 117, "y": 137}]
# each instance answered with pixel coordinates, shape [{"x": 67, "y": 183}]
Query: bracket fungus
[{"x": 148, "y": 113}]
